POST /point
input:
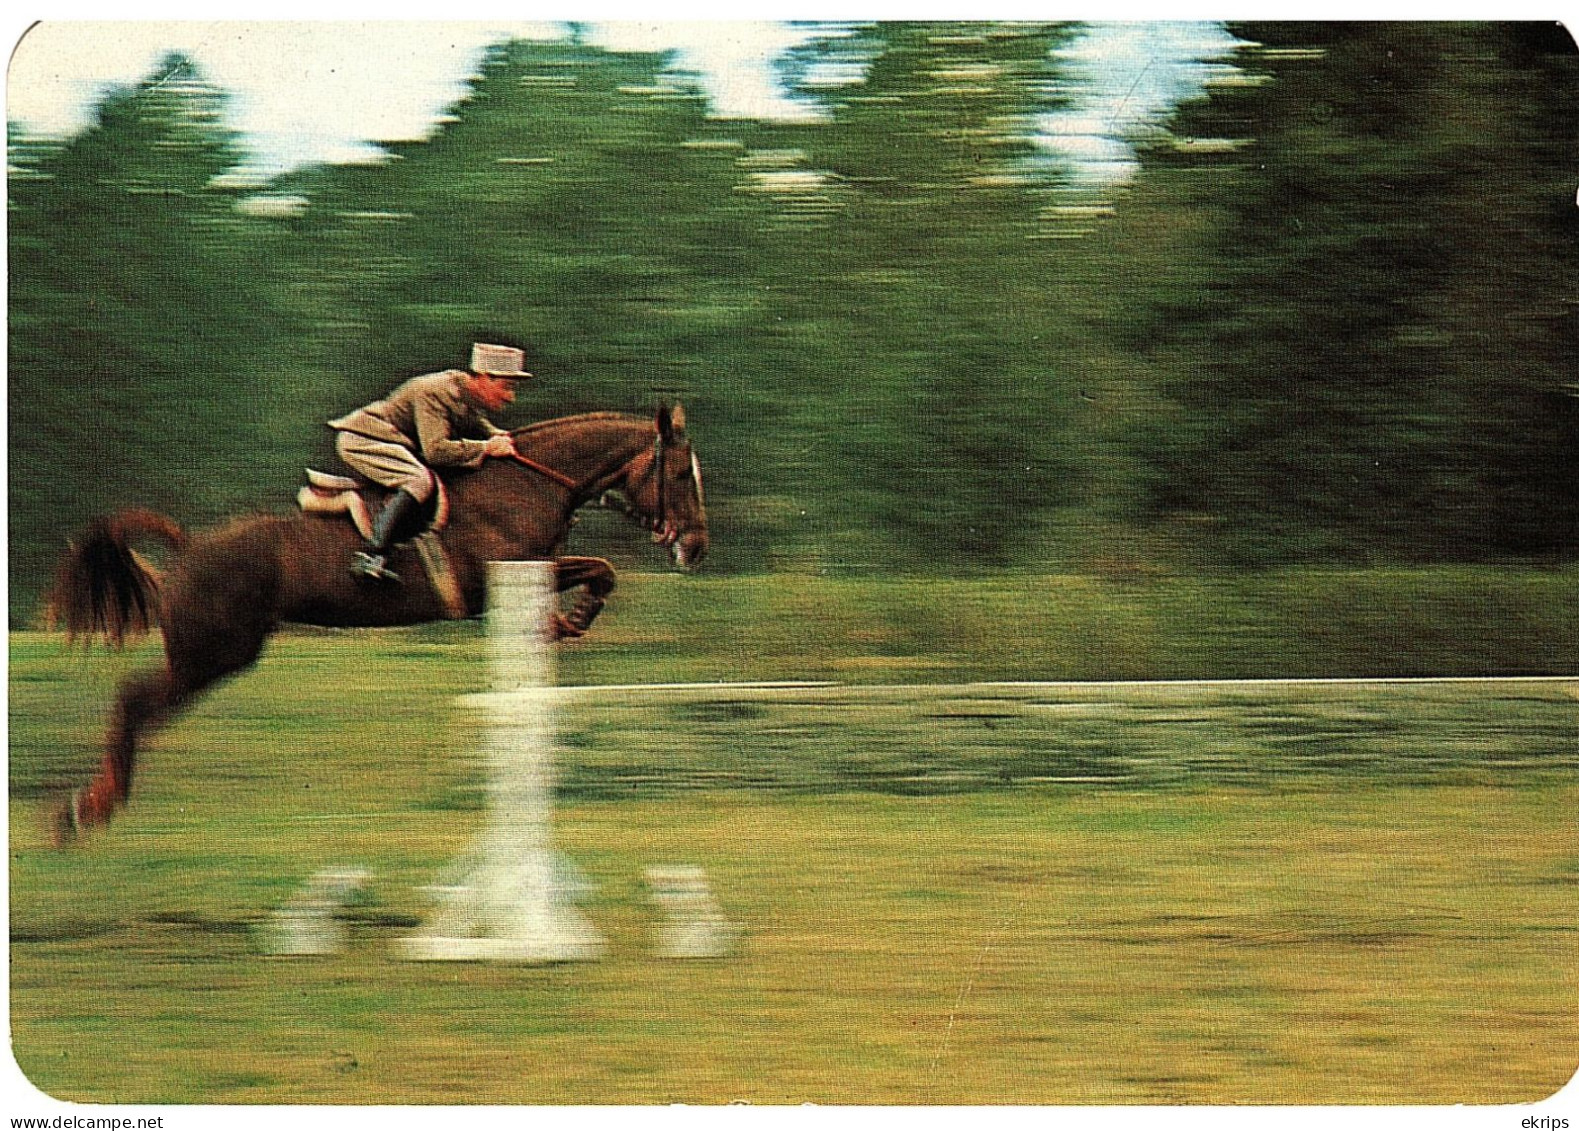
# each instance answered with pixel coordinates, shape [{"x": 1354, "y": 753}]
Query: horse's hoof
[{"x": 564, "y": 630}]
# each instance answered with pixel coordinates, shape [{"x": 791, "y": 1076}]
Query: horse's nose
[{"x": 690, "y": 548}]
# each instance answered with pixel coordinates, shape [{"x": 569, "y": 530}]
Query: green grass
[
  {"x": 1299, "y": 623},
  {"x": 1084, "y": 895}
]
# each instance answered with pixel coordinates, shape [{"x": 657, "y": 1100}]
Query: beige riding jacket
[{"x": 432, "y": 416}]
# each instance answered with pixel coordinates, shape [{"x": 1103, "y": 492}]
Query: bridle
[
  {"x": 658, "y": 450},
  {"x": 659, "y": 460}
]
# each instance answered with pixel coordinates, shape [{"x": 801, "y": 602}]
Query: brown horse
[{"x": 230, "y": 588}]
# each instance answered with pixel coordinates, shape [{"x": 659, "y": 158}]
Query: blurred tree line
[{"x": 1332, "y": 319}]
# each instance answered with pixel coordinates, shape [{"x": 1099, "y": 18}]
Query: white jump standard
[{"x": 511, "y": 906}]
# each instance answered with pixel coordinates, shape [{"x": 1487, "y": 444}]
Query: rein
[
  {"x": 558, "y": 477},
  {"x": 571, "y": 485}
]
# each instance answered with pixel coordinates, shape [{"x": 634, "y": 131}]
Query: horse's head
[{"x": 664, "y": 485}]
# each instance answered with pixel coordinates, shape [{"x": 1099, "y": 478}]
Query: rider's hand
[{"x": 500, "y": 445}]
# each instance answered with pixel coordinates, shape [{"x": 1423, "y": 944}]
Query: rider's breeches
[{"x": 388, "y": 465}]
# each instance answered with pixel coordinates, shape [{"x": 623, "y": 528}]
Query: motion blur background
[
  {"x": 1012, "y": 353},
  {"x": 1129, "y": 302}
]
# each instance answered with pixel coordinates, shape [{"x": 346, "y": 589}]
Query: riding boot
[{"x": 399, "y": 505}]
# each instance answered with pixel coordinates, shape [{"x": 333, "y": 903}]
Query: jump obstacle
[
  {"x": 310, "y": 923},
  {"x": 511, "y": 905},
  {"x": 511, "y": 898}
]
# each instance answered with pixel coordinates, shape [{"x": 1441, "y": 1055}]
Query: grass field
[{"x": 1279, "y": 894}]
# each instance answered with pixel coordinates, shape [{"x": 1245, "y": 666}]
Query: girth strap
[{"x": 436, "y": 563}]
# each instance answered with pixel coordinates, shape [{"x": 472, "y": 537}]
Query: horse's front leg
[{"x": 595, "y": 578}]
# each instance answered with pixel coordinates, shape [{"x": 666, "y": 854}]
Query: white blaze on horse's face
[
  {"x": 683, "y": 529},
  {"x": 690, "y": 542}
]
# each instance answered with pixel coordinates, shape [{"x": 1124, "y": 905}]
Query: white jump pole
[{"x": 510, "y": 905}]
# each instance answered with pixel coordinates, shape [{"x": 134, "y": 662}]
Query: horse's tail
[{"x": 105, "y": 588}]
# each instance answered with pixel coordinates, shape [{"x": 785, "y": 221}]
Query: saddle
[
  {"x": 340, "y": 494},
  {"x": 327, "y": 494}
]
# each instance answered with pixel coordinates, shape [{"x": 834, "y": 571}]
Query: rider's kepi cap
[{"x": 498, "y": 361}]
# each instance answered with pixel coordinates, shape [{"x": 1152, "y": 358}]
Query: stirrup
[{"x": 372, "y": 565}]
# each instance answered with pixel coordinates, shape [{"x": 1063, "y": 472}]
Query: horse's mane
[{"x": 579, "y": 418}]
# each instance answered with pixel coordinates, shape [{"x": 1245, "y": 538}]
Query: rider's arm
[{"x": 440, "y": 447}]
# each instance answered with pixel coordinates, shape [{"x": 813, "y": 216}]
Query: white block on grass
[
  {"x": 309, "y": 923},
  {"x": 694, "y": 925}
]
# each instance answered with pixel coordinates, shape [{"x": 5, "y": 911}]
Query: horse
[{"x": 228, "y": 589}]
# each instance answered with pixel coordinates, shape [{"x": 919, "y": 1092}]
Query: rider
[{"x": 431, "y": 421}]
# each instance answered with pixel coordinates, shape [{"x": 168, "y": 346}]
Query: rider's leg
[
  {"x": 399, "y": 505},
  {"x": 393, "y": 466}
]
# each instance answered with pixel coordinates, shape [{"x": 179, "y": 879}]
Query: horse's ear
[
  {"x": 677, "y": 419},
  {"x": 665, "y": 423}
]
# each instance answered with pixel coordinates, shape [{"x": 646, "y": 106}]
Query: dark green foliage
[
  {"x": 1348, "y": 336},
  {"x": 142, "y": 313},
  {"x": 919, "y": 307},
  {"x": 1366, "y": 348}
]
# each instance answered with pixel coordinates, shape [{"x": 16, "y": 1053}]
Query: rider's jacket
[{"x": 430, "y": 415}]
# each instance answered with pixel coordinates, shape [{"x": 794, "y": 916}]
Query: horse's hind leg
[{"x": 145, "y": 700}]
